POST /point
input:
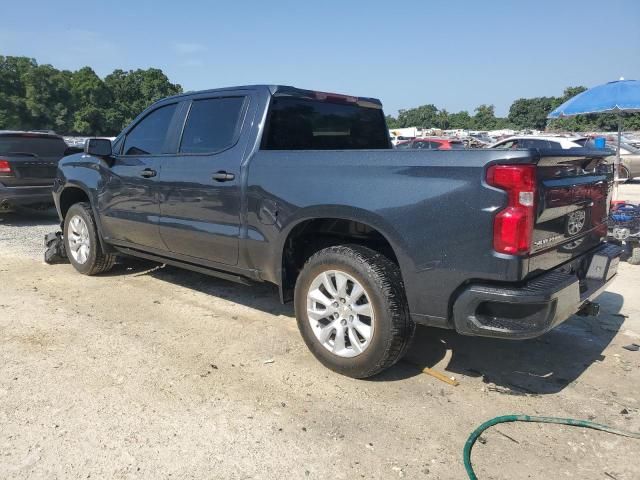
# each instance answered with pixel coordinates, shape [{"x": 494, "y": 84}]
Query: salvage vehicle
[
  {"x": 28, "y": 165},
  {"x": 431, "y": 144},
  {"x": 303, "y": 189}
]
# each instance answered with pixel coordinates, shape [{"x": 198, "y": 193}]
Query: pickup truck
[{"x": 303, "y": 189}]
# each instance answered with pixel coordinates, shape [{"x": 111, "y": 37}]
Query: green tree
[
  {"x": 133, "y": 91},
  {"x": 424, "y": 116},
  {"x": 90, "y": 100},
  {"x": 460, "y": 120},
  {"x": 531, "y": 112},
  {"x": 392, "y": 122},
  {"x": 13, "y": 109},
  {"x": 47, "y": 98},
  {"x": 484, "y": 118},
  {"x": 443, "y": 119}
]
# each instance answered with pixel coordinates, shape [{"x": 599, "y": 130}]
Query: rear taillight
[
  {"x": 5, "y": 166},
  {"x": 334, "y": 97},
  {"x": 513, "y": 225}
]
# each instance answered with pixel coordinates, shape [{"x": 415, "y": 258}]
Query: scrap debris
[{"x": 441, "y": 376}]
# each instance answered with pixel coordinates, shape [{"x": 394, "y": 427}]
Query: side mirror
[{"x": 100, "y": 147}]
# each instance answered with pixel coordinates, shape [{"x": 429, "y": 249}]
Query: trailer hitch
[{"x": 589, "y": 309}]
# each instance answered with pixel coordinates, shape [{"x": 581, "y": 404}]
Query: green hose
[{"x": 526, "y": 418}]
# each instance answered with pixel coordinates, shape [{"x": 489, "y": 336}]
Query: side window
[
  {"x": 510, "y": 144},
  {"x": 554, "y": 145},
  {"x": 435, "y": 145},
  {"x": 149, "y": 135},
  {"x": 421, "y": 145},
  {"x": 212, "y": 125}
]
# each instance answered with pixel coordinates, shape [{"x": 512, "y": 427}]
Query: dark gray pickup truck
[{"x": 303, "y": 189}]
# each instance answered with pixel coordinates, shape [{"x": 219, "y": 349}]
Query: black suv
[{"x": 28, "y": 164}]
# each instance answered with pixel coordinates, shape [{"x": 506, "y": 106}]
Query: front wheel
[
  {"x": 352, "y": 310},
  {"x": 81, "y": 242}
]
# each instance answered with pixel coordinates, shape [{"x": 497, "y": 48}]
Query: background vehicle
[
  {"x": 624, "y": 228},
  {"x": 303, "y": 189},
  {"x": 629, "y": 160},
  {"x": 28, "y": 164},
  {"x": 548, "y": 142},
  {"x": 431, "y": 144}
]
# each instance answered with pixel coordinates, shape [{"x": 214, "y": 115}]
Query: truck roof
[{"x": 289, "y": 91}]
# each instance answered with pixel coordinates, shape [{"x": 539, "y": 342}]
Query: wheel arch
[
  {"x": 315, "y": 230},
  {"x": 73, "y": 193}
]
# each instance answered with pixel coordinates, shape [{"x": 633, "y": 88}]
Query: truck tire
[
  {"x": 634, "y": 258},
  {"x": 352, "y": 310},
  {"x": 82, "y": 244},
  {"x": 624, "y": 174}
]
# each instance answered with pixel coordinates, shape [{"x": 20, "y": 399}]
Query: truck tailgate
[{"x": 574, "y": 194}]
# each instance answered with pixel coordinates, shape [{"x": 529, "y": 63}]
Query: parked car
[
  {"x": 629, "y": 161},
  {"x": 28, "y": 164},
  {"x": 303, "y": 189},
  {"x": 546, "y": 142},
  {"x": 431, "y": 144}
]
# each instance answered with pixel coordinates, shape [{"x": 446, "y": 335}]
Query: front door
[
  {"x": 129, "y": 203},
  {"x": 200, "y": 187}
]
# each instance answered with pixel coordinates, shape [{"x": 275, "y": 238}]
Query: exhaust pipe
[{"x": 589, "y": 309}]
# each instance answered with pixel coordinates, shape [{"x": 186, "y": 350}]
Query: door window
[
  {"x": 213, "y": 125},
  {"x": 148, "y": 137}
]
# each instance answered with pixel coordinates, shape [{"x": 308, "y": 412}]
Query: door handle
[
  {"x": 148, "y": 173},
  {"x": 223, "y": 176}
]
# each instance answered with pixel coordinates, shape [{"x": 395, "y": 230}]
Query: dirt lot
[{"x": 152, "y": 372}]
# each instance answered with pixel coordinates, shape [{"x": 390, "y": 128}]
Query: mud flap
[{"x": 55, "y": 252}]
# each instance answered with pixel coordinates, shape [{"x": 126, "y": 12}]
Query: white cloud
[{"x": 186, "y": 48}]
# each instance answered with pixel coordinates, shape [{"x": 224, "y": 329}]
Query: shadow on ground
[
  {"x": 543, "y": 365},
  {"x": 24, "y": 217}
]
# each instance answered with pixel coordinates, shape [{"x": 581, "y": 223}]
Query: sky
[{"x": 454, "y": 54}]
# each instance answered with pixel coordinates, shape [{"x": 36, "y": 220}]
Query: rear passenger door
[{"x": 200, "y": 196}]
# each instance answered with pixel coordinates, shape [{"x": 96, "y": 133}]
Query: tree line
[
  {"x": 42, "y": 97},
  {"x": 524, "y": 113},
  {"x": 79, "y": 102}
]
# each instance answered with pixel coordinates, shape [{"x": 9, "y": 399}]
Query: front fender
[{"x": 80, "y": 172}]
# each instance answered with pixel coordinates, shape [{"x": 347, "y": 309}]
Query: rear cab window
[{"x": 296, "y": 123}]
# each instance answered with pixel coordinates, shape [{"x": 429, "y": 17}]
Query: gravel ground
[{"x": 151, "y": 372}]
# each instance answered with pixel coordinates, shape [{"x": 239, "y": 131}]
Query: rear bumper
[
  {"x": 25, "y": 195},
  {"x": 536, "y": 307}
]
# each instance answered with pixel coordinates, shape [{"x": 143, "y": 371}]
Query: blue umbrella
[{"x": 618, "y": 97}]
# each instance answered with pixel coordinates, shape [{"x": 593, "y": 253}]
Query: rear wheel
[
  {"x": 81, "y": 242},
  {"x": 624, "y": 174},
  {"x": 634, "y": 259},
  {"x": 352, "y": 310}
]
